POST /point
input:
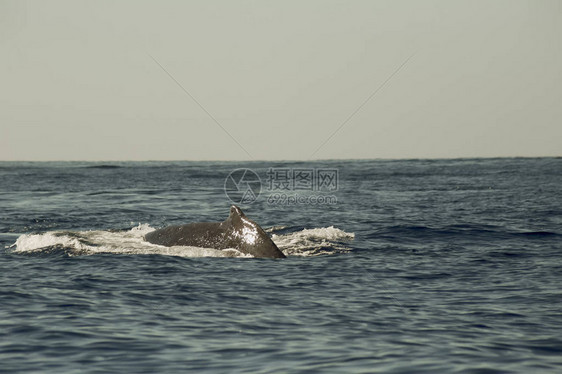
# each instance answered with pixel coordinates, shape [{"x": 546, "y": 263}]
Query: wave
[
  {"x": 103, "y": 166},
  {"x": 537, "y": 234},
  {"x": 474, "y": 232},
  {"x": 308, "y": 242}
]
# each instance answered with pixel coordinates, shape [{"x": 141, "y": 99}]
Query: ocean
[{"x": 393, "y": 266}]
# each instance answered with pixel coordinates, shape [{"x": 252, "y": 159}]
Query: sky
[{"x": 279, "y": 80}]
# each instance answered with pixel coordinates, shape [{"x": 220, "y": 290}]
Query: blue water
[{"x": 422, "y": 266}]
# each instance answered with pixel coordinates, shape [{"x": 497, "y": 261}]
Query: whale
[{"x": 237, "y": 231}]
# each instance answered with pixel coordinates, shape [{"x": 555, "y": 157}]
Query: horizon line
[{"x": 289, "y": 160}]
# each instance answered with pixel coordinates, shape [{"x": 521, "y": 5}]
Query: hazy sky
[{"x": 79, "y": 80}]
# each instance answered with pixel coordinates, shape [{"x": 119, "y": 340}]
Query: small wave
[
  {"x": 537, "y": 234},
  {"x": 103, "y": 166},
  {"x": 308, "y": 242},
  {"x": 273, "y": 229}
]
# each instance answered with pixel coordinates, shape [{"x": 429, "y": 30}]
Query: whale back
[
  {"x": 201, "y": 234},
  {"x": 237, "y": 231}
]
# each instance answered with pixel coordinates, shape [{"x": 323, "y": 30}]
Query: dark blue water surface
[{"x": 456, "y": 267}]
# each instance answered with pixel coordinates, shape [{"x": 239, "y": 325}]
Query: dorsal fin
[{"x": 235, "y": 212}]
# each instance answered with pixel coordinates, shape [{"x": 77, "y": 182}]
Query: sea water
[{"x": 395, "y": 266}]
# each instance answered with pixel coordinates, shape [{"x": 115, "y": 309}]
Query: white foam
[
  {"x": 311, "y": 242},
  {"x": 36, "y": 242}
]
